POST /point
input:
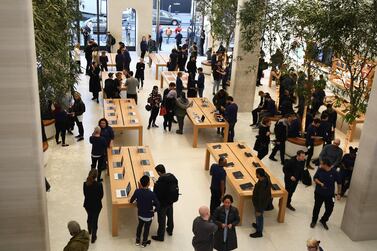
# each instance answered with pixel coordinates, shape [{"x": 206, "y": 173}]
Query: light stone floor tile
[{"x": 68, "y": 167}]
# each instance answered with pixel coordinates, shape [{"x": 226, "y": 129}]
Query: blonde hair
[
  {"x": 97, "y": 130},
  {"x": 312, "y": 243}
]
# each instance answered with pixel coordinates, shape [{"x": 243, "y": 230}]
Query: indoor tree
[
  {"x": 54, "y": 26},
  {"x": 349, "y": 28}
]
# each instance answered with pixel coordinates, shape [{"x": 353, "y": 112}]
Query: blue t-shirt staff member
[
  {"x": 217, "y": 183},
  {"x": 325, "y": 179}
]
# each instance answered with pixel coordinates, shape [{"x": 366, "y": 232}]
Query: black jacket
[
  {"x": 281, "y": 131},
  {"x": 161, "y": 188},
  {"x": 110, "y": 89},
  {"x": 261, "y": 194},
  {"x": 140, "y": 67},
  {"x": 191, "y": 67},
  {"x": 219, "y": 218},
  {"x": 93, "y": 196},
  {"x": 78, "y": 107},
  {"x": 293, "y": 167}
]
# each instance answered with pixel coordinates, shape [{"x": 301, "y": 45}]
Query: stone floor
[{"x": 68, "y": 167}]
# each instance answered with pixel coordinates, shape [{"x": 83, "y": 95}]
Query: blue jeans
[{"x": 259, "y": 221}]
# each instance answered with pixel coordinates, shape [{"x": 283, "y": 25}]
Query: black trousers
[
  {"x": 95, "y": 95},
  {"x": 279, "y": 147},
  {"x": 134, "y": 96},
  {"x": 255, "y": 114},
  {"x": 329, "y": 206},
  {"x": 108, "y": 48},
  {"x": 104, "y": 67},
  {"x": 92, "y": 220},
  {"x": 163, "y": 213},
  {"x": 181, "y": 121},
  {"x": 80, "y": 127},
  {"x": 141, "y": 81},
  {"x": 88, "y": 63},
  {"x": 78, "y": 66},
  {"x": 215, "y": 200},
  {"x": 153, "y": 116},
  {"x": 98, "y": 163},
  {"x": 60, "y": 130},
  {"x": 143, "y": 54},
  {"x": 168, "y": 120},
  {"x": 146, "y": 225},
  {"x": 310, "y": 154},
  {"x": 231, "y": 132},
  {"x": 290, "y": 186}
]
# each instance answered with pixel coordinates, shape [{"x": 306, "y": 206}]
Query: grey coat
[
  {"x": 203, "y": 234},
  {"x": 234, "y": 219}
]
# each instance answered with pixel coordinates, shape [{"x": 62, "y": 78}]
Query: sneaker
[
  {"x": 78, "y": 136},
  {"x": 179, "y": 132},
  {"x": 324, "y": 224},
  {"x": 272, "y": 158},
  {"x": 291, "y": 208},
  {"x": 154, "y": 125},
  {"x": 156, "y": 238},
  {"x": 312, "y": 225},
  {"x": 58, "y": 142},
  {"x": 94, "y": 238},
  {"x": 149, "y": 127},
  {"x": 64, "y": 145},
  {"x": 79, "y": 139},
  {"x": 253, "y": 124},
  {"x": 145, "y": 243},
  {"x": 170, "y": 233},
  {"x": 256, "y": 235},
  {"x": 137, "y": 243}
]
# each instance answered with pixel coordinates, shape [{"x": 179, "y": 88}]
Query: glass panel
[{"x": 129, "y": 27}]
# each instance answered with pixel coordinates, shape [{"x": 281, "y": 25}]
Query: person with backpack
[
  {"x": 261, "y": 198},
  {"x": 167, "y": 192},
  {"x": 293, "y": 170},
  {"x": 151, "y": 48},
  {"x": 110, "y": 41}
]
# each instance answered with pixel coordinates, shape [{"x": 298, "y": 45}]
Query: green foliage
[
  {"x": 54, "y": 22},
  {"x": 223, "y": 20}
]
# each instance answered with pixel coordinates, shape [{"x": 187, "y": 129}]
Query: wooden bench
[
  {"x": 131, "y": 170},
  {"x": 49, "y": 125},
  {"x": 246, "y": 166},
  {"x": 122, "y": 114},
  {"x": 207, "y": 67},
  {"x": 295, "y": 144},
  {"x": 202, "y": 108}
]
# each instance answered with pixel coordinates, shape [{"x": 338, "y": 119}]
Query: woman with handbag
[
  {"x": 168, "y": 104},
  {"x": 263, "y": 138},
  {"x": 154, "y": 102}
]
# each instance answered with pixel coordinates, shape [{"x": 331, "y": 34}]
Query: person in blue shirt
[
  {"x": 311, "y": 134},
  {"x": 217, "y": 183},
  {"x": 201, "y": 79},
  {"x": 230, "y": 114},
  {"x": 147, "y": 204},
  {"x": 325, "y": 179}
]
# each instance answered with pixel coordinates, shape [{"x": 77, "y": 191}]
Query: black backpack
[
  {"x": 172, "y": 190},
  {"x": 113, "y": 41}
]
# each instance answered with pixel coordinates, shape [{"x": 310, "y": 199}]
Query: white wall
[{"x": 143, "y": 9}]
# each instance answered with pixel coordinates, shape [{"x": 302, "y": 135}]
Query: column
[
  {"x": 244, "y": 72},
  {"x": 23, "y": 212},
  {"x": 360, "y": 214}
]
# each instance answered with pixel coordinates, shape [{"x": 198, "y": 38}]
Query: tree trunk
[{"x": 303, "y": 119}]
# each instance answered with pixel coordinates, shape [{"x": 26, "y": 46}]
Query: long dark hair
[
  {"x": 91, "y": 177},
  {"x": 103, "y": 119}
]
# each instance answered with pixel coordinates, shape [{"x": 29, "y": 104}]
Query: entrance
[{"x": 129, "y": 28}]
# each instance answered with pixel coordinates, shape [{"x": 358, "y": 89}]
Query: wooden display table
[
  {"x": 159, "y": 60},
  {"x": 246, "y": 166},
  {"x": 122, "y": 114},
  {"x": 130, "y": 171},
  {"x": 203, "y": 109},
  {"x": 171, "y": 76}
]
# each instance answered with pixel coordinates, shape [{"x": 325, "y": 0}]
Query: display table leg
[
  {"x": 241, "y": 204},
  {"x": 282, "y": 207},
  {"x": 226, "y": 133},
  {"x": 140, "y": 136},
  {"x": 206, "y": 163},
  {"x": 114, "y": 221},
  {"x": 195, "y": 141}
]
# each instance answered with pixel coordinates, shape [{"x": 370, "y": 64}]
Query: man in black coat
[
  {"x": 293, "y": 170},
  {"x": 281, "y": 135},
  {"x": 163, "y": 188},
  {"x": 88, "y": 56}
]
